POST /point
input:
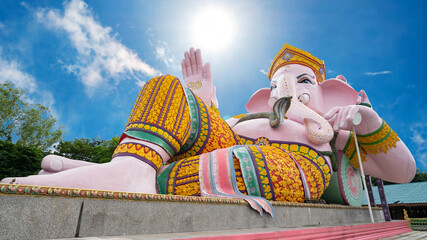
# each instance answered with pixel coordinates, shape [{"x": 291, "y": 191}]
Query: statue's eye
[
  {"x": 273, "y": 86},
  {"x": 305, "y": 80}
]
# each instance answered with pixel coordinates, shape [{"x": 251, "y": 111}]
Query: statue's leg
[
  {"x": 129, "y": 175},
  {"x": 158, "y": 126}
]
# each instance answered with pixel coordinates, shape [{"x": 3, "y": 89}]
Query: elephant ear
[
  {"x": 336, "y": 92},
  {"x": 259, "y": 101}
]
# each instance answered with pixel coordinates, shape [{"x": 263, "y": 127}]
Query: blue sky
[{"x": 87, "y": 60}]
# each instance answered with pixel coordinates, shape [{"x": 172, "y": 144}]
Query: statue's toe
[
  {"x": 56, "y": 164},
  {"x": 52, "y": 163}
]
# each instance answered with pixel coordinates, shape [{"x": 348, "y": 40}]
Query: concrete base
[{"x": 41, "y": 217}]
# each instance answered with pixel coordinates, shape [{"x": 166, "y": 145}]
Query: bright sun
[{"x": 213, "y": 29}]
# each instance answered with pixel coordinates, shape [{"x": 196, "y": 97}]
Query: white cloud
[
  {"x": 162, "y": 53},
  {"x": 419, "y": 137},
  {"x": 378, "y": 73},
  {"x": 12, "y": 71},
  {"x": 2, "y": 26},
  {"x": 101, "y": 56},
  {"x": 264, "y": 72},
  {"x": 162, "y": 50}
]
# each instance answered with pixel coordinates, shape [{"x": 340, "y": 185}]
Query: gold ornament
[{"x": 292, "y": 55}]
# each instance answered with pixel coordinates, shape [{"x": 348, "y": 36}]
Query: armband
[{"x": 381, "y": 140}]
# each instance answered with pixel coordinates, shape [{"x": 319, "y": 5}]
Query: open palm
[{"x": 198, "y": 77}]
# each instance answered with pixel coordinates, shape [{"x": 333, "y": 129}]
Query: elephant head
[{"x": 311, "y": 99}]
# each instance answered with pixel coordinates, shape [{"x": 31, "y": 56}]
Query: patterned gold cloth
[
  {"x": 174, "y": 118},
  {"x": 277, "y": 174}
]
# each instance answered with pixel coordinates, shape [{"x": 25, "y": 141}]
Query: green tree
[
  {"x": 24, "y": 123},
  {"x": 19, "y": 161},
  {"x": 420, "y": 176},
  {"x": 91, "y": 150}
]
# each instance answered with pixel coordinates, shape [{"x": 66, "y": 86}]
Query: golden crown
[{"x": 292, "y": 55}]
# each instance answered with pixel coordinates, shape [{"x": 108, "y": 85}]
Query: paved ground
[
  {"x": 414, "y": 235},
  {"x": 185, "y": 235}
]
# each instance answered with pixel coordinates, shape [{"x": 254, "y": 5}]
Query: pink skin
[
  {"x": 125, "y": 174},
  {"x": 295, "y": 80}
]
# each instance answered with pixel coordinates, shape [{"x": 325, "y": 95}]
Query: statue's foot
[
  {"x": 125, "y": 174},
  {"x": 55, "y": 163}
]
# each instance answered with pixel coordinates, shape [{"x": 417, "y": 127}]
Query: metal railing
[{"x": 416, "y": 224}]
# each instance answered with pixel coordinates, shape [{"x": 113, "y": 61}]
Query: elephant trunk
[
  {"x": 276, "y": 117},
  {"x": 317, "y": 129}
]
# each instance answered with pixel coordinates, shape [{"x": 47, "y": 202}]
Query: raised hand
[{"x": 198, "y": 77}]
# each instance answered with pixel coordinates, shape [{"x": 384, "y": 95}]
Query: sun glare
[{"x": 213, "y": 29}]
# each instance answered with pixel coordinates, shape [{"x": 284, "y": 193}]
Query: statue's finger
[
  {"x": 193, "y": 61},
  {"x": 365, "y": 98},
  {"x": 331, "y": 113},
  {"x": 337, "y": 121},
  {"x": 343, "y": 122},
  {"x": 332, "y": 119},
  {"x": 207, "y": 73},
  {"x": 188, "y": 64},
  {"x": 199, "y": 61}
]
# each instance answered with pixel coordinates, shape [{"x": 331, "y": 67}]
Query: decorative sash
[{"x": 217, "y": 178}]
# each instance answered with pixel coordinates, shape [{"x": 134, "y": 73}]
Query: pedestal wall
[{"x": 29, "y": 212}]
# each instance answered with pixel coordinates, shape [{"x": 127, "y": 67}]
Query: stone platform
[{"x": 31, "y": 212}]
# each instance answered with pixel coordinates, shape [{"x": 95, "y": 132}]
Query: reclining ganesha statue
[{"x": 294, "y": 141}]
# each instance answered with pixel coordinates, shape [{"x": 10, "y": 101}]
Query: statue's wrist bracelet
[
  {"x": 365, "y": 104},
  {"x": 351, "y": 153},
  {"x": 381, "y": 140}
]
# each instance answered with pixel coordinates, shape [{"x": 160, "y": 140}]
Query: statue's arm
[
  {"x": 198, "y": 77},
  {"x": 383, "y": 153},
  {"x": 389, "y": 160}
]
